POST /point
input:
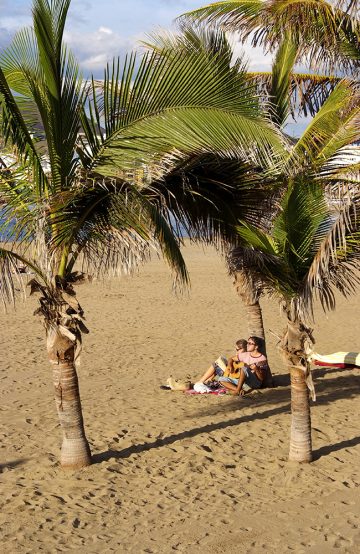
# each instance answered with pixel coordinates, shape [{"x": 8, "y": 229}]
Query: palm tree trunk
[
  {"x": 300, "y": 437},
  {"x": 248, "y": 293},
  {"x": 75, "y": 450},
  {"x": 254, "y": 318}
]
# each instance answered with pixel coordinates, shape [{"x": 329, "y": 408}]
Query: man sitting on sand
[
  {"x": 225, "y": 368},
  {"x": 253, "y": 371}
]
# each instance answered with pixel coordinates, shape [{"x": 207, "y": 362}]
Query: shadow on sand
[
  {"x": 328, "y": 390},
  {"x": 12, "y": 465},
  {"x": 137, "y": 448},
  {"x": 325, "y": 450}
]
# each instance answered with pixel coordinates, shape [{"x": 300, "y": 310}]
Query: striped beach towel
[{"x": 337, "y": 359}]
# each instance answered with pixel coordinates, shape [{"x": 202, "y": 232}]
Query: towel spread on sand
[
  {"x": 338, "y": 359},
  {"x": 217, "y": 391}
]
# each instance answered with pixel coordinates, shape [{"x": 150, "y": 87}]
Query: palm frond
[
  {"x": 15, "y": 131},
  {"x": 10, "y": 275},
  {"x": 211, "y": 41},
  {"x": 328, "y": 36},
  {"x": 337, "y": 261},
  {"x": 307, "y": 261},
  {"x": 212, "y": 109},
  {"x": 316, "y": 26},
  {"x": 350, "y": 7},
  {"x": 46, "y": 78},
  {"x": 57, "y": 94},
  {"x": 208, "y": 195},
  {"x": 342, "y": 170},
  {"x": 281, "y": 80},
  {"x": 347, "y": 134},
  {"x": 307, "y": 92},
  {"x": 21, "y": 59},
  {"x": 112, "y": 226},
  {"x": 230, "y": 15},
  {"x": 327, "y": 124},
  {"x": 303, "y": 209}
]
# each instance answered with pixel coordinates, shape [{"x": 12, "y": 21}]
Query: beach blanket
[
  {"x": 337, "y": 359},
  {"x": 217, "y": 391}
]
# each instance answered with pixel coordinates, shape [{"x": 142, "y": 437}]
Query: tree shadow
[
  {"x": 341, "y": 387},
  {"x": 325, "y": 450},
  {"x": 328, "y": 390},
  {"x": 12, "y": 465},
  {"x": 282, "y": 380},
  {"x": 319, "y": 372},
  {"x": 138, "y": 448}
]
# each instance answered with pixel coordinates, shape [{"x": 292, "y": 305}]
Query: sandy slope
[{"x": 175, "y": 473}]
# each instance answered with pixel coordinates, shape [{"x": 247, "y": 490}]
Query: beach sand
[{"x": 175, "y": 473}]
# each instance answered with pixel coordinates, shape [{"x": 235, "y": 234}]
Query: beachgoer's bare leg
[{"x": 209, "y": 373}]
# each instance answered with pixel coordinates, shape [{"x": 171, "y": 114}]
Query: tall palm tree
[
  {"x": 256, "y": 193},
  {"x": 312, "y": 32},
  {"x": 309, "y": 253},
  {"x": 312, "y": 247},
  {"x": 85, "y": 155}
]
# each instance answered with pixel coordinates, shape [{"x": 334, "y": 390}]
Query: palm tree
[
  {"x": 312, "y": 247},
  {"x": 85, "y": 155},
  {"x": 315, "y": 160},
  {"x": 254, "y": 192},
  {"x": 308, "y": 31},
  {"x": 308, "y": 254}
]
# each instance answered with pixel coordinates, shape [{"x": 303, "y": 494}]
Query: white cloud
[
  {"x": 94, "y": 49},
  {"x": 13, "y": 24},
  {"x": 105, "y": 30},
  {"x": 257, "y": 60}
]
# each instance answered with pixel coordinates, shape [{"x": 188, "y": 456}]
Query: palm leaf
[
  {"x": 307, "y": 260},
  {"x": 10, "y": 279},
  {"x": 327, "y": 124},
  {"x": 112, "y": 226},
  {"x": 336, "y": 262},
  {"x": 16, "y": 132},
  {"x": 281, "y": 80},
  {"x": 211, "y": 41},
  {"x": 207, "y": 196},
  {"x": 328, "y": 36},
  {"x": 307, "y": 92},
  {"x": 230, "y": 15},
  {"x": 211, "y": 109},
  {"x": 347, "y": 134}
]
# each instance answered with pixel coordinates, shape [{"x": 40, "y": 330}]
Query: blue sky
[{"x": 97, "y": 30}]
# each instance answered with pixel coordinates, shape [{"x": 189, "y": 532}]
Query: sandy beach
[{"x": 175, "y": 473}]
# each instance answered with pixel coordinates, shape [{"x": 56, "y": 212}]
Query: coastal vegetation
[
  {"x": 103, "y": 171},
  {"x": 82, "y": 191}
]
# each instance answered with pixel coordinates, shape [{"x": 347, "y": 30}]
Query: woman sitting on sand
[
  {"x": 253, "y": 371},
  {"x": 225, "y": 368}
]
